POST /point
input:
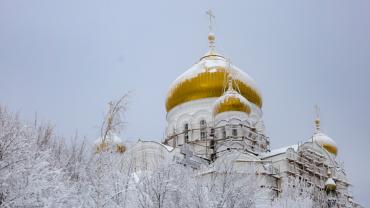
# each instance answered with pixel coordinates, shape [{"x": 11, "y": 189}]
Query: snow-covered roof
[
  {"x": 168, "y": 148},
  {"x": 278, "y": 151}
]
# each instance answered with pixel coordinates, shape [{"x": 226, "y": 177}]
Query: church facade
[
  {"x": 215, "y": 109},
  {"x": 214, "y": 113}
]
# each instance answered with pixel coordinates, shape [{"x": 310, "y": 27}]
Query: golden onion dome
[
  {"x": 206, "y": 79},
  {"x": 111, "y": 143},
  {"x": 330, "y": 184},
  {"x": 323, "y": 140},
  {"x": 326, "y": 142},
  {"x": 231, "y": 101}
]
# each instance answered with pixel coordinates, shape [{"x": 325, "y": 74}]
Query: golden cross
[{"x": 211, "y": 16}]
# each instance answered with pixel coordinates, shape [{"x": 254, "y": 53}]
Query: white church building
[{"x": 214, "y": 111}]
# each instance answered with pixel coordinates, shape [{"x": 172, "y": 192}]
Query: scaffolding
[{"x": 205, "y": 140}]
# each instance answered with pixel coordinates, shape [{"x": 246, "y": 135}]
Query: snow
[
  {"x": 322, "y": 139},
  {"x": 279, "y": 151},
  {"x": 168, "y": 148},
  {"x": 330, "y": 181},
  {"x": 113, "y": 138},
  {"x": 232, "y": 93},
  {"x": 37, "y": 169},
  {"x": 210, "y": 64}
]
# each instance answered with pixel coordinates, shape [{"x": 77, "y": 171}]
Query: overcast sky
[{"x": 66, "y": 59}]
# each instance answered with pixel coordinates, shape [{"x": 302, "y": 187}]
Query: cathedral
[{"x": 214, "y": 111}]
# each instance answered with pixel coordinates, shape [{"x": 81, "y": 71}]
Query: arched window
[
  {"x": 186, "y": 132},
  {"x": 223, "y": 131},
  {"x": 203, "y": 129},
  {"x": 234, "y": 131},
  {"x": 174, "y": 138}
]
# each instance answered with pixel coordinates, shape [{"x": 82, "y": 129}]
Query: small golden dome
[
  {"x": 111, "y": 143},
  {"x": 101, "y": 147},
  {"x": 322, "y": 139},
  {"x": 326, "y": 142},
  {"x": 211, "y": 37},
  {"x": 330, "y": 184},
  {"x": 231, "y": 101},
  {"x": 120, "y": 148},
  {"x": 206, "y": 79}
]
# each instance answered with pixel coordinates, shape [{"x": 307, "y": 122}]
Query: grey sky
[{"x": 67, "y": 59}]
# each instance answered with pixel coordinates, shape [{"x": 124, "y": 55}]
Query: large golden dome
[{"x": 207, "y": 79}]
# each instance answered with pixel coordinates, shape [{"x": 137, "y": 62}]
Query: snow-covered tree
[
  {"x": 29, "y": 176},
  {"x": 226, "y": 186},
  {"x": 40, "y": 169},
  {"x": 296, "y": 194}
]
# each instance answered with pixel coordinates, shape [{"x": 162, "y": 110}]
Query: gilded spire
[
  {"x": 322, "y": 139},
  {"x": 317, "y": 120},
  {"x": 230, "y": 80},
  {"x": 211, "y": 36}
]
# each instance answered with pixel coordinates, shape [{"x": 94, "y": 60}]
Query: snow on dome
[
  {"x": 209, "y": 63},
  {"x": 110, "y": 138},
  {"x": 116, "y": 139},
  {"x": 330, "y": 184},
  {"x": 111, "y": 141},
  {"x": 279, "y": 151},
  {"x": 207, "y": 79},
  {"x": 231, "y": 101},
  {"x": 326, "y": 142}
]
